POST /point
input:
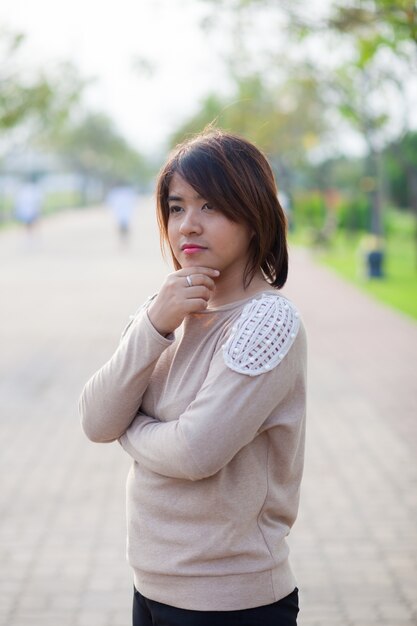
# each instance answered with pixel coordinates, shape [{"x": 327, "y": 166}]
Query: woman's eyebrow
[{"x": 177, "y": 198}]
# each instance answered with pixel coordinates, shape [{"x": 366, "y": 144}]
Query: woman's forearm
[{"x": 113, "y": 395}]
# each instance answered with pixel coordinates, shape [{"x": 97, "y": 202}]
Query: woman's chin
[{"x": 187, "y": 263}]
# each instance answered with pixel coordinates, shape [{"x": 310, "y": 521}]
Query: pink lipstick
[{"x": 192, "y": 248}]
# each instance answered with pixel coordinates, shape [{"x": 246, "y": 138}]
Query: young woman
[{"x": 206, "y": 393}]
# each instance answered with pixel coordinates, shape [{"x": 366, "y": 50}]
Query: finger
[
  {"x": 197, "y": 304},
  {"x": 207, "y": 271},
  {"x": 200, "y": 291},
  {"x": 200, "y": 279}
]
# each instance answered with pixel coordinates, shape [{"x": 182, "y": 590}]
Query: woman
[{"x": 206, "y": 393}]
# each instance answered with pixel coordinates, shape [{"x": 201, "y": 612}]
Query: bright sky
[{"x": 104, "y": 38}]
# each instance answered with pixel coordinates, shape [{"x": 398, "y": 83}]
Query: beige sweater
[{"x": 214, "y": 419}]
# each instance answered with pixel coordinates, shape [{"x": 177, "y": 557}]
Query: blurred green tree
[
  {"x": 384, "y": 22},
  {"x": 376, "y": 43},
  {"x": 400, "y": 170},
  {"x": 287, "y": 122},
  {"x": 92, "y": 146},
  {"x": 31, "y": 100},
  {"x": 375, "y": 27}
]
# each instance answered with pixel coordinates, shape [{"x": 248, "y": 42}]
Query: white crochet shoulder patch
[{"x": 262, "y": 336}]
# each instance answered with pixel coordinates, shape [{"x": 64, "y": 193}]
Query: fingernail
[{"x": 217, "y": 272}]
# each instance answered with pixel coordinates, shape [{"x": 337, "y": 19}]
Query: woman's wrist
[{"x": 156, "y": 323}]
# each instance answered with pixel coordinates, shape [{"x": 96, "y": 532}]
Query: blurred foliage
[
  {"x": 379, "y": 22},
  {"x": 309, "y": 209},
  {"x": 92, "y": 146},
  {"x": 55, "y": 201},
  {"x": 374, "y": 27},
  {"x": 376, "y": 43},
  {"x": 353, "y": 213},
  {"x": 350, "y": 199},
  {"x": 43, "y": 110},
  {"x": 400, "y": 170},
  {"x": 286, "y": 122},
  {"x": 34, "y": 99}
]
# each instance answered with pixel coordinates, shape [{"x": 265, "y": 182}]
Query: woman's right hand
[{"x": 177, "y": 298}]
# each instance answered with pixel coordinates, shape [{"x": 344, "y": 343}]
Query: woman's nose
[{"x": 190, "y": 223}]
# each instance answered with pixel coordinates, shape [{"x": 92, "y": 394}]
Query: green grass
[
  {"x": 398, "y": 288},
  {"x": 54, "y": 202}
]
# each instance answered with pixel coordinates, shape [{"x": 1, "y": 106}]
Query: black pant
[{"x": 150, "y": 613}]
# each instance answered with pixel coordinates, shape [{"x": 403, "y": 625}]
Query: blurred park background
[
  {"x": 327, "y": 89},
  {"x": 92, "y": 97}
]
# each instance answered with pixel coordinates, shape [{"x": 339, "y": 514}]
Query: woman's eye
[
  {"x": 208, "y": 207},
  {"x": 175, "y": 208}
]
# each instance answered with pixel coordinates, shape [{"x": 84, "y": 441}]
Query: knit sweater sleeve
[
  {"x": 113, "y": 395},
  {"x": 229, "y": 411}
]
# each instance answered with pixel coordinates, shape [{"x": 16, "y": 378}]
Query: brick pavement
[
  {"x": 65, "y": 298},
  {"x": 355, "y": 544}
]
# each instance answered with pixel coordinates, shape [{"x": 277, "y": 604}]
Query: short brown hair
[{"x": 234, "y": 176}]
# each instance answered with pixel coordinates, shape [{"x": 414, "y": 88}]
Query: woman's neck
[{"x": 230, "y": 289}]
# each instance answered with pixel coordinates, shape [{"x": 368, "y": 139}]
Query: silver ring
[{"x": 189, "y": 281}]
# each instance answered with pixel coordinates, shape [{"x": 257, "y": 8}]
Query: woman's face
[{"x": 201, "y": 235}]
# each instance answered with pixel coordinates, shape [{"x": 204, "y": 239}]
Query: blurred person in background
[
  {"x": 122, "y": 199},
  {"x": 206, "y": 393},
  {"x": 28, "y": 201}
]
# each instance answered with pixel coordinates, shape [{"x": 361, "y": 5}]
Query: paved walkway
[{"x": 64, "y": 298}]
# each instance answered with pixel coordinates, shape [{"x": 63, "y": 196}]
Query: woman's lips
[{"x": 192, "y": 249}]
